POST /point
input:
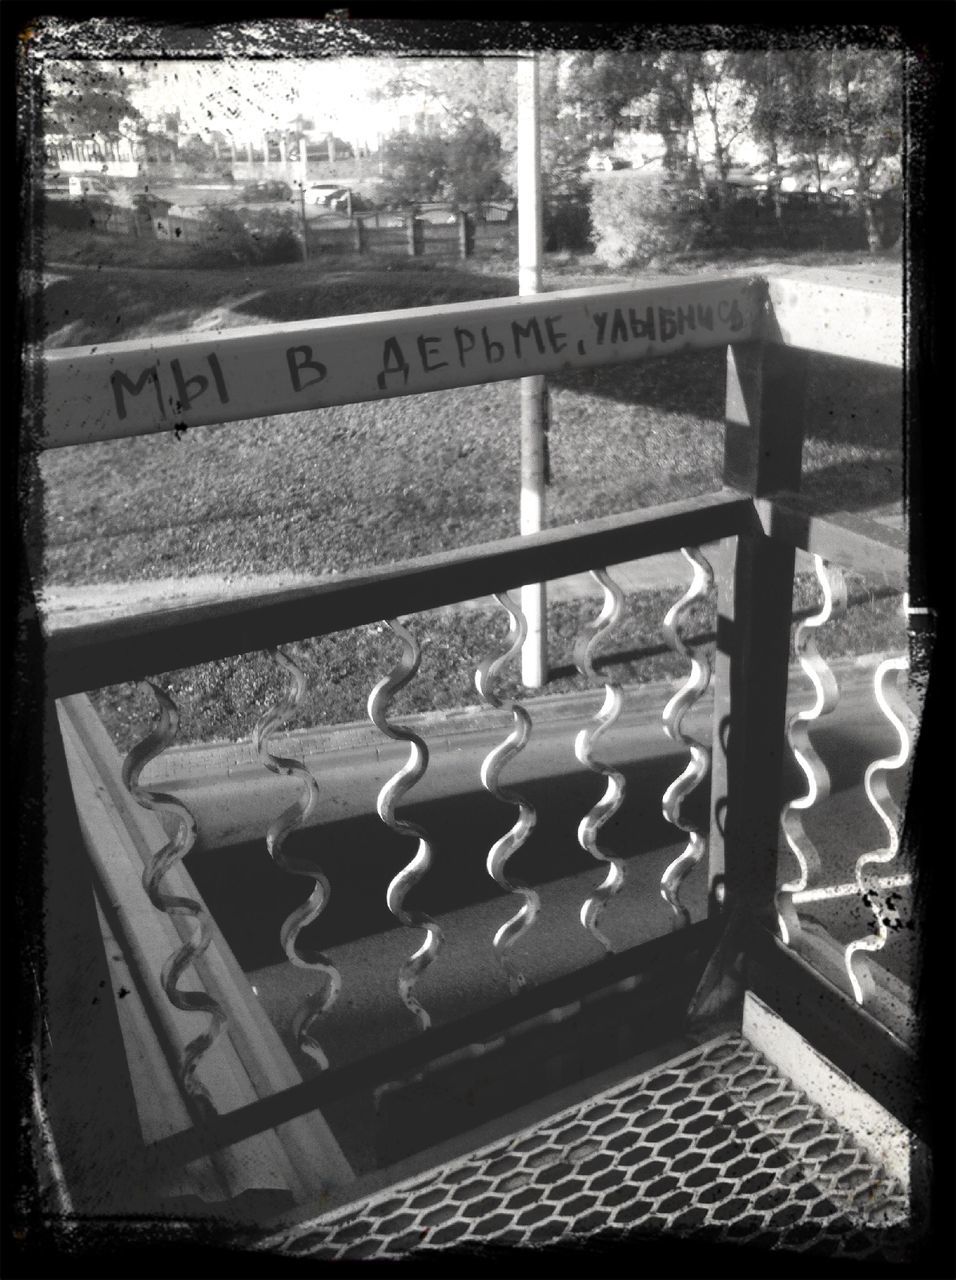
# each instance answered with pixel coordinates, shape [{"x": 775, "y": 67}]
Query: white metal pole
[
  {"x": 534, "y": 662},
  {"x": 305, "y": 223}
]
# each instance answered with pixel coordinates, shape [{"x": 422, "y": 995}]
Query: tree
[
  {"x": 468, "y": 90},
  {"x": 804, "y": 107},
  {"x": 473, "y": 167},
  {"x": 462, "y": 166},
  {"x": 91, "y": 99},
  {"x": 413, "y": 167},
  {"x": 197, "y": 153},
  {"x": 865, "y": 99},
  {"x": 723, "y": 109},
  {"x": 820, "y": 107},
  {"x": 609, "y": 88}
]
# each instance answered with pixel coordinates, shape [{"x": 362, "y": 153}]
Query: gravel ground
[{"x": 343, "y": 489}]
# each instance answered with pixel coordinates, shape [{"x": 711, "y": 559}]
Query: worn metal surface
[
  {"x": 716, "y": 1143},
  {"x": 839, "y": 315},
  {"x": 878, "y": 794},
  {"x": 847, "y": 538},
  {"x": 170, "y": 383},
  {"x": 101, "y": 653}
]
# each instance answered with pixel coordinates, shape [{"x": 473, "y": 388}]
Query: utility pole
[
  {"x": 305, "y": 224},
  {"x": 534, "y": 653}
]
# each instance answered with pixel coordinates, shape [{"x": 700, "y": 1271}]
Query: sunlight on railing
[
  {"x": 613, "y": 797},
  {"x": 673, "y": 717},
  {"x": 491, "y": 767},
  {"x": 891, "y": 703},
  {"x": 827, "y": 695},
  {"x": 172, "y": 853},
  {"x": 318, "y": 1003},
  {"x": 398, "y": 785}
]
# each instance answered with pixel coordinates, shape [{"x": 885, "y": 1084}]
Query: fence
[{"x": 375, "y": 233}]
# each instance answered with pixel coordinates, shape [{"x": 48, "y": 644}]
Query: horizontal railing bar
[
  {"x": 95, "y": 654},
  {"x": 617, "y": 657},
  {"x": 403, "y": 1059},
  {"x": 825, "y": 892},
  {"x": 169, "y": 383},
  {"x": 876, "y": 1056},
  {"x": 849, "y": 540},
  {"x": 838, "y": 314}
]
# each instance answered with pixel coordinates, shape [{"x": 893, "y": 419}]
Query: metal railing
[{"x": 173, "y": 384}]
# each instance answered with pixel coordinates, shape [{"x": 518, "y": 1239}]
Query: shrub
[
  {"x": 273, "y": 232},
  {"x": 463, "y": 167},
  {"x": 638, "y": 216},
  {"x": 71, "y": 215},
  {"x": 567, "y": 224},
  {"x": 234, "y": 236}
]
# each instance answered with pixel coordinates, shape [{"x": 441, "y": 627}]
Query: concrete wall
[
  {"x": 101, "y": 168},
  {"x": 257, "y": 171}
]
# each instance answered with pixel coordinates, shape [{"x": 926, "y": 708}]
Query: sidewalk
[
  {"x": 69, "y": 606},
  {"x": 65, "y": 607}
]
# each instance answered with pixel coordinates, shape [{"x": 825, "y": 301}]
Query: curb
[{"x": 207, "y": 760}]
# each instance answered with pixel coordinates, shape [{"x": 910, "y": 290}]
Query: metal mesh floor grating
[{"x": 715, "y": 1143}]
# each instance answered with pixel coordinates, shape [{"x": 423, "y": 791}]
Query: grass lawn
[
  {"x": 221, "y": 701},
  {"x": 345, "y": 488}
]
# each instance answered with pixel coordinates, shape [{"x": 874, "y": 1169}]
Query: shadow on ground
[
  {"x": 360, "y": 855},
  {"x": 847, "y": 401},
  {"x": 393, "y": 287}
]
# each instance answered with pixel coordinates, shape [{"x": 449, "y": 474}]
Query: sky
[{"x": 243, "y": 96}]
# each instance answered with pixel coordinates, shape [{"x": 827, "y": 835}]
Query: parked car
[
  {"x": 329, "y": 194},
  {"x": 604, "y": 162},
  {"x": 749, "y": 178},
  {"x": 261, "y": 192},
  {"x": 436, "y": 215}
]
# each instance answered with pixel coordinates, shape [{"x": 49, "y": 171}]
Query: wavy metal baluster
[
  {"x": 491, "y": 767},
  {"x": 890, "y": 702},
  {"x": 611, "y": 801},
  {"x": 291, "y": 819},
  {"x": 673, "y": 717},
  {"x": 189, "y": 909},
  {"x": 378, "y": 703},
  {"x": 827, "y": 692}
]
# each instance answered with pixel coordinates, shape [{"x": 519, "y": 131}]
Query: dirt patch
[{"x": 74, "y": 606}]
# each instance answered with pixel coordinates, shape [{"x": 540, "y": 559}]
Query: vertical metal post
[
  {"x": 763, "y": 453},
  {"x": 305, "y": 224},
  {"x": 534, "y": 661},
  {"x": 410, "y": 231}
]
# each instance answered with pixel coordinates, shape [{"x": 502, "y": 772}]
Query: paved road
[
  {"x": 234, "y": 800},
  {"x": 360, "y": 855}
]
